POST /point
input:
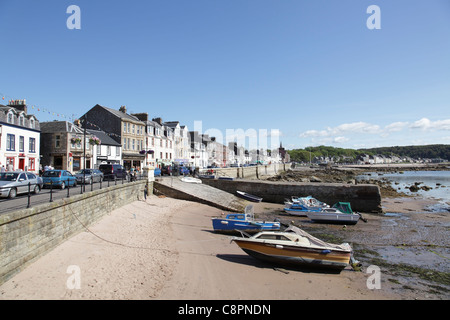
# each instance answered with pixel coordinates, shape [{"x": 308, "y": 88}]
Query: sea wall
[
  {"x": 363, "y": 197},
  {"x": 27, "y": 234},
  {"x": 250, "y": 172}
]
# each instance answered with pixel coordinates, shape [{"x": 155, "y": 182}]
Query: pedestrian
[
  {"x": 3, "y": 168},
  {"x": 146, "y": 191}
]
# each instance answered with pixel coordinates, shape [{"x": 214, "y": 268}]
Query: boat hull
[
  {"x": 334, "y": 218},
  {"x": 232, "y": 226},
  {"x": 249, "y": 197},
  {"x": 296, "y": 256}
]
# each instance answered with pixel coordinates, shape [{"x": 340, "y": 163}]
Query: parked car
[
  {"x": 17, "y": 182},
  {"x": 90, "y": 176},
  {"x": 113, "y": 171},
  {"x": 184, "y": 171},
  {"x": 59, "y": 178},
  {"x": 166, "y": 170},
  {"x": 157, "y": 172}
]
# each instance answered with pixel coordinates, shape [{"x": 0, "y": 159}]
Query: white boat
[
  {"x": 340, "y": 213},
  {"x": 191, "y": 180}
]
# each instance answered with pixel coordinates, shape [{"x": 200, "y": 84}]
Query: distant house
[
  {"x": 19, "y": 137},
  {"x": 62, "y": 146}
]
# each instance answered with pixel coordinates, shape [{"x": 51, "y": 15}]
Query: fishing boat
[
  {"x": 235, "y": 222},
  {"x": 300, "y": 206},
  {"x": 340, "y": 213},
  {"x": 296, "y": 247},
  {"x": 248, "y": 196}
]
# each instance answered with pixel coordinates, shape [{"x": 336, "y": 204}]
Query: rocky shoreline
[
  {"x": 409, "y": 242},
  {"x": 348, "y": 175}
]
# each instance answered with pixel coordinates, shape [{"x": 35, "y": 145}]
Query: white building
[
  {"x": 108, "y": 151},
  {"x": 19, "y": 137},
  {"x": 198, "y": 153}
]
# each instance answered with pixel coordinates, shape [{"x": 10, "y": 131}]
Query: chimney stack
[
  {"x": 20, "y": 104},
  {"x": 123, "y": 109}
]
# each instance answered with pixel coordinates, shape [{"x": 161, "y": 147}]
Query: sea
[{"x": 437, "y": 181}]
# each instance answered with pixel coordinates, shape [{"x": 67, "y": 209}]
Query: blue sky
[{"x": 311, "y": 70}]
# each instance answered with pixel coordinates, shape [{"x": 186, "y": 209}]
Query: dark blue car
[{"x": 59, "y": 179}]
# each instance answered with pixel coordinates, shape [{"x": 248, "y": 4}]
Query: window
[
  {"x": 21, "y": 120},
  {"x": 124, "y": 127},
  {"x": 128, "y": 127},
  {"x": 133, "y": 129},
  {"x": 133, "y": 144},
  {"x": 10, "y": 142},
  {"x": 31, "y": 164},
  {"x": 32, "y": 145},
  {"x": 99, "y": 150},
  {"x": 108, "y": 149},
  {"x": 124, "y": 143},
  {"x": 21, "y": 143},
  {"x": 10, "y": 161},
  {"x": 117, "y": 151},
  {"x": 10, "y": 118},
  {"x": 57, "y": 141},
  {"x": 32, "y": 123}
]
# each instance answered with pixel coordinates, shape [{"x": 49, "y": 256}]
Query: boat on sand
[
  {"x": 340, "y": 213},
  {"x": 295, "y": 247},
  {"x": 248, "y": 196},
  {"x": 235, "y": 222}
]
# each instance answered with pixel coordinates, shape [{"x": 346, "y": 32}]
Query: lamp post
[{"x": 84, "y": 154}]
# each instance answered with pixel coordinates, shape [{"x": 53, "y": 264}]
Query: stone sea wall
[{"x": 27, "y": 234}]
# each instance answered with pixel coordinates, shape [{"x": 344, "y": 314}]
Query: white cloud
[
  {"x": 355, "y": 127},
  {"x": 363, "y": 133},
  {"x": 396, "y": 126},
  {"x": 426, "y": 124},
  {"x": 340, "y": 139}
]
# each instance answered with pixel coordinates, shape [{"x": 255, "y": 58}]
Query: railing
[{"x": 20, "y": 201}]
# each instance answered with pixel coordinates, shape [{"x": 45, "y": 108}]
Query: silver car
[
  {"x": 90, "y": 176},
  {"x": 17, "y": 182}
]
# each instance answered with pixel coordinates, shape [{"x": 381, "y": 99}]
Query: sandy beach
[{"x": 165, "y": 249}]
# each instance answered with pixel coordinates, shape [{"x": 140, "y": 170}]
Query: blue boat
[
  {"x": 301, "y": 206},
  {"x": 235, "y": 222}
]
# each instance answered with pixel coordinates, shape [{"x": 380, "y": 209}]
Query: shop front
[{"x": 133, "y": 160}]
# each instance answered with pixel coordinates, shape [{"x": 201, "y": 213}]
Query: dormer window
[
  {"x": 10, "y": 118},
  {"x": 21, "y": 120},
  {"x": 32, "y": 123}
]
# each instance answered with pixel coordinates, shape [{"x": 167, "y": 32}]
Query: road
[{"x": 21, "y": 201}]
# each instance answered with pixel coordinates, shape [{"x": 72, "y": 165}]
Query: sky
[{"x": 300, "y": 72}]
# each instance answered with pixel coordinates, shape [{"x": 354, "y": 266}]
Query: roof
[
  {"x": 120, "y": 114},
  {"x": 60, "y": 126},
  {"x": 104, "y": 138}
]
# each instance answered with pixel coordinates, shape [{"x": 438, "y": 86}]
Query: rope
[{"x": 117, "y": 243}]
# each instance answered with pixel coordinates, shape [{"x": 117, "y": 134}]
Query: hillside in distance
[{"x": 434, "y": 151}]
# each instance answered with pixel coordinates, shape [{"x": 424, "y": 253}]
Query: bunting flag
[
  {"x": 39, "y": 108},
  {"x": 49, "y": 111}
]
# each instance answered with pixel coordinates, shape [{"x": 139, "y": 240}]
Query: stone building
[
  {"x": 124, "y": 128},
  {"x": 62, "y": 146}
]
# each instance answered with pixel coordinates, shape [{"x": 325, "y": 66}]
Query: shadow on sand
[{"x": 250, "y": 261}]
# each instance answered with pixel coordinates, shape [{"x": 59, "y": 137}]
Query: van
[{"x": 113, "y": 172}]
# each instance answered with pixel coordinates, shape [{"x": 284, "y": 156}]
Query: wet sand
[{"x": 165, "y": 249}]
